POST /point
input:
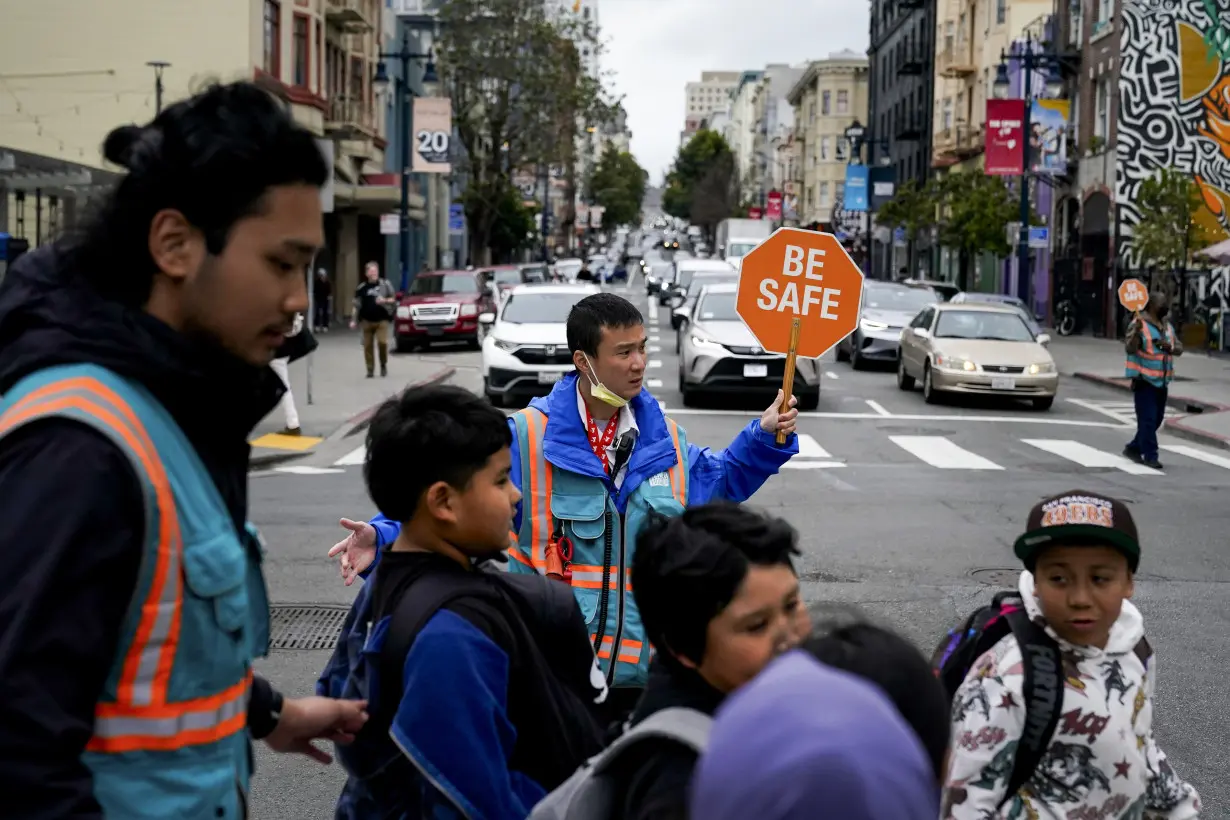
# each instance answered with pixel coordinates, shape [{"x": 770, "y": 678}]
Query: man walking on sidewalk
[
  {"x": 1151, "y": 347},
  {"x": 298, "y": 344},
  {"x": 374, "y": 301}
]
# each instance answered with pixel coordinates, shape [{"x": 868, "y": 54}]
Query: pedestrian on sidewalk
[
  {"x": 374, "y": 302},
  {"x": 322, "y": 300},
  {"x": 1151, "y": 347},
  {"x": 298, "y": 344},
  {"x": 134, "y": 363}
]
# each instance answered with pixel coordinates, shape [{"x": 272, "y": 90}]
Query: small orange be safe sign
[{"x": 1133, "y": 295}]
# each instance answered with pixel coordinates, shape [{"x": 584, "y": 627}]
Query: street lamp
[
  {"x": 1030, "y": 60},
  {"x": 430, "y": 81},
  {"x": 158, "y": 66}
]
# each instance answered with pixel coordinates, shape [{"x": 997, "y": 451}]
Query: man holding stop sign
[{"x": 1151, "y": 346}]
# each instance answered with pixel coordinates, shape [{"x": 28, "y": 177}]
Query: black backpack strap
[{"x": 1043, "y": 693}]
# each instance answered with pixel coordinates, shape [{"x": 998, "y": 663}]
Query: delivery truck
[{"x": 737, "y": 237}]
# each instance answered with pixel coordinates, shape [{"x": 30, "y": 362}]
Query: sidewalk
[
  {"x": 342, "y": 397},
  {"x": 1201, "y": 388}
]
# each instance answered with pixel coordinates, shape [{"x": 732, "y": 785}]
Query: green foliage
[
  {"x": 915, "y": 208},
  {"x": 975, "y": 210},
  {"x": 509, "y": 225},
  {"x": 701, "y": 184},
  {"x": 618, "y": 184},
  {"x": 1168, "y": 233}
]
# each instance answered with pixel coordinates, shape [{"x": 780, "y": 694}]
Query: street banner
[
  {"x": 433, "y": 135},
  {"x": 856, "y": 188},
  {"x": 456, "y": 219},
  {"x": 1048, "y": 123},
  {"x": 1005, "y": 148},
  {"x": 773, "y": 205},
  {"x": 799, "y": 294},
  {"x": 754, "y": 213},
  {"x": 883, "y": 184}
]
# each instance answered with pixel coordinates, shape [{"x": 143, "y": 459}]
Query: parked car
[
  {"x": 503, "y": 278},
  {"x": 945, "y": 290},
  {"x": 720, "y": 355},
  {"x": 525, "y": 346},
  {"x": 887, "y": 308},
  {"x": 442, "y": 306},
  {"x": 976, "y": 350},
  {"x": 681, "y": 276},
  {"x": 682, "y": 313},
  {"x": 968, "y": 297}
]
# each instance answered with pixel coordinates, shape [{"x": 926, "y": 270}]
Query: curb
[
  {"x": 352, "y": 426},
  {"x": 1184, "y": 403}
]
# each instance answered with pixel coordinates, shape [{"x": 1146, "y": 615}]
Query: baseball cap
[{"x": 1079, "y": 517}]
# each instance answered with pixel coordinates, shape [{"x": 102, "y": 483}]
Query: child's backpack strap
[
  {"x": 1043, "y": 693},
  {"x": 589, "y": 795}
]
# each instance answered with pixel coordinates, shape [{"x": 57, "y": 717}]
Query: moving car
[
  {"x": 442, "y": 306},
  {"x": 720, "y": 355},
  {"x": 658, "y": 274},
  {"x": 681, "y": 277},
  {"x": 681, "y": 313},
  {"x": 525, "y": 346},
  {"x": 975, "y": 297},
  {"x": 976, "y": 349},
  {"x": 887, "y": 308}
]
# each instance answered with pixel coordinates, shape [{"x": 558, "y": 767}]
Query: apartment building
[
  {"x": 743, "y": 122},
  {"x": 705, "y": 98},
  {"x": 73, "y": 72},
  {"x": 772, "y": 122},
  {"x": 827, "y": 99}
]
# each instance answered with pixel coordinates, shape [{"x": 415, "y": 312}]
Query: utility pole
[{"x": 158, "y": 66}]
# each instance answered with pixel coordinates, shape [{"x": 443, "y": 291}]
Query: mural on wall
[{"x": 1174, "y": 111}]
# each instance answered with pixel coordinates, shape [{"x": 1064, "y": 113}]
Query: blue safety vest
[
  {"x": 558, "y": 502},
  {"x": 1150, "y": 362},
  {"x": 170, "y": 732}
]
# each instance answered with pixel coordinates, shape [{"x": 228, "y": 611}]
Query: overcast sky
[{"x": 655, "y": 47}]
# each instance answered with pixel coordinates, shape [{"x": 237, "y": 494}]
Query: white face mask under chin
[{"x": 599, "y": 391}]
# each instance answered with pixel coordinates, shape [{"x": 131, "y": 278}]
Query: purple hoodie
[{"x": 803, "y": 741}]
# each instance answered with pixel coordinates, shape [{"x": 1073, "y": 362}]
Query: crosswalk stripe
[
  {"x": 810, "y": 448},
  {"x": 353, "y": 458},
  {"x": 938, "y": 451},
  {"x": 1087, "y": 456},
  {"x": 1198, "y": 454}
]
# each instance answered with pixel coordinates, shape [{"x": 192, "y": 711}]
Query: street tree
[
  {"x": 514, "y": 226},
  {"x": 519, "y": 93},
  {"x": 914, "y": 209},
  {"x": 974, "y": 212},
  {"x": 1168, "y": 232},
  {"x": 703, "y": 175},
  {"x": 618, "y": 185}
]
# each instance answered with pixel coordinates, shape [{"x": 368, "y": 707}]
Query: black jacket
[
  {"x": 657, "y": 775},
  {"x": 74, "y": 519}
]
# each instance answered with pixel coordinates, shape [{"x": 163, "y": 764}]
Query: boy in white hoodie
[{"x": 1080, "y": 551}]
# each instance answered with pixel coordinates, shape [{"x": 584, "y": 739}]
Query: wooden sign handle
[{"x": 788, "y": 376}]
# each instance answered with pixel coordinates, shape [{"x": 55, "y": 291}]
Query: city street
[{"x": 906, "y": 509}]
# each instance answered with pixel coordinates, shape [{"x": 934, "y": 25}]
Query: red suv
[{"x": 442, "y": 306}]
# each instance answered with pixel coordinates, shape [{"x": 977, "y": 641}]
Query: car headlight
[
  {"x": 867, "y": 324},
  {"x": 704, "y": 341},
  {"x": 469, "y": 310},
  {"x": 955, "y": 363},
  {"x": 1041, "y": 367},
  {"x": 403, "y": 312},
  {"x": 504, "y": 345}
]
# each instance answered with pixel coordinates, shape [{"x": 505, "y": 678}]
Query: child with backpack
[
  {"x": 719, "y": 598},
  {"x": 481, "y": 685},
  {"x": 1053, "y": 688}
]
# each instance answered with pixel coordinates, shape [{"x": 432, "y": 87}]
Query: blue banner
[
  {"x": 856, "y": 188},
  {"x": 456, "y": 219}
]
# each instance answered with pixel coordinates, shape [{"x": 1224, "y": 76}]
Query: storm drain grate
[
  {"x": 301, "y": 626},
  {"x": 997, "y": 577}
]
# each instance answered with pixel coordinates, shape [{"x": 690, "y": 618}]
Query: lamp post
[
  {"x": 158, "y": 66},
  {"x": 405, "y": 55},
  {"x": 1029, "y": 59}
]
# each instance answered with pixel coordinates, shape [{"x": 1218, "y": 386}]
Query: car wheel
[
  {"x": 857, "y": 362},
  {"x": 930, "y": 394},
  {"x": 842, "y": 355},
  {"x": 403, "y": 345},
  {"x": 809, "y": 401},
  {"x": 904, "y": 380},
  {"x": 1043, "y": 403}
]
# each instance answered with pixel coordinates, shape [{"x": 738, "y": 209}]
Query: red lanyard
[{"x": 599, "y": 442}]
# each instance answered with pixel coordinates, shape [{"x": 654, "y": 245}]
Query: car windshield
[
  {"x": 982, "y": 324},
  {"x": 906, "y": 300},
  {"x": 446, "y": 283},
  {"x": 701, "y": 279},
  {"x": 718, "y": 307},
  {"x": 507, "y": 277},
  {"x": 539, "y": 308},
  {"x": 662, "y": 271},
  {"x": 740, "y": 248}
]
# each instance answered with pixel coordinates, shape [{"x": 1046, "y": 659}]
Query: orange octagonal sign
[
  {"x": 804, "y": 274},
  {"x": 1133, "y": 295}
]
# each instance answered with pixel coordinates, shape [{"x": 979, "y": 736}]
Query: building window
[
  {"x": 1104, "y": 10},
  {"x": 824, "y": 148},
  {"x": 1001, "y": 12},
  {"x": 273, "y": 38},
  {"x": 302, "y": 50},
  {"x": 1075, "y": 109},
  {"x": 1101, "y": 123},
  {"x": 843, "y": 102},
  {"x": 839, "y": 193},
  {"x": 949, "y": 31},
  {"x": 811, "y": 112},
  {"x": 841, "y": 149},
  {"x": 824, "y": 103},
  {"x": 824, "y": 195},
  {"x": 961, "y": 28},
  {"x": 320, "y": 58},
  {"x": 947, "y": 114}
]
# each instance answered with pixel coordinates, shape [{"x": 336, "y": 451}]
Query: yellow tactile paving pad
[{"x": 277, "y": 441}]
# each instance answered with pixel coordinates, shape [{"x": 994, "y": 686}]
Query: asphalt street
[{"x": 904, "y": 509}]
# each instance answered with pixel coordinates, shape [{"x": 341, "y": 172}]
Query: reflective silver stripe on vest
[{"x": 168, "y": 727}]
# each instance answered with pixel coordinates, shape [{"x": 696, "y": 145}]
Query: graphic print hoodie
[{"x": 1102, "y": 761}]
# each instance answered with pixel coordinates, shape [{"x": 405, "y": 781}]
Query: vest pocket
[
  {"x": 585, "y": 514},
  {"x": 216, "y": 570}
]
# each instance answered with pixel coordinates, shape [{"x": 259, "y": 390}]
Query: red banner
[
  {"x": 773, "y": 205},
  {"x": 754, "y": 213},
  {"x": 1005, "y": 149}
]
